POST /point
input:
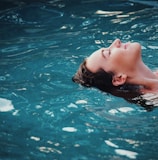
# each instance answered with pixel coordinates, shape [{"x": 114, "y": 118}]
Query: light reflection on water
[{"x": 47, "y": 115}]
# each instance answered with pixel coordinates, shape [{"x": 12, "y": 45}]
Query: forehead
[{"x": 94, "y": 61}]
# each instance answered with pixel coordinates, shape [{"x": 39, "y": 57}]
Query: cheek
[
  {"x": 119, "y": 60},
  {"x": 109, "y": 66},
  {"x": 117, "y": 56}
]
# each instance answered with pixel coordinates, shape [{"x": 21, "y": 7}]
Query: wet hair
[{"x": 101, "y": 79}]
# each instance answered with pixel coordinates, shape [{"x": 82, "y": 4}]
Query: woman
[{"x": 118, "y": 67}]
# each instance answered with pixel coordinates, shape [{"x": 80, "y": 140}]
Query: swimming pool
[{"x": 43, "y": 114}]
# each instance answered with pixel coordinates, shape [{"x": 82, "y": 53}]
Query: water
[{"x": 43, "y": 114}]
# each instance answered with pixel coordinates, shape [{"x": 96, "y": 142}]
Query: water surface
[{"x": 43, "y": 114}]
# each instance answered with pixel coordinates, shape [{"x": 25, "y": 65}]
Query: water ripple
[{"x": 34, "y": 14}]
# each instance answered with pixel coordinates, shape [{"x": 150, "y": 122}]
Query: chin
[{"x": 136, "y": 46}]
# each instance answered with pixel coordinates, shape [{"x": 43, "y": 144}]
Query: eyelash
[
  {"x": 102, "y": 53},
  {"x": 109, "y": 51}
]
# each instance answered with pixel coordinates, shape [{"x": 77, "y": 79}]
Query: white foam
[
  {"x": 38, "y": 106},
  {"x": 6, "y": 105},
  {"x": 121, "y": 109},
  {"x": 113, "y": 111},
  {"x": 109, "y": 143},
  {"x": 35, "y": 138},
  {"x": 153, "y": 47},
  {"x": 129, "y": 154},
  {"x": 125, "y": 109},
  {"x": 81, "y": 102},
  {"x": 69, "y": 129},
  {"x": 71, "y": 105}
]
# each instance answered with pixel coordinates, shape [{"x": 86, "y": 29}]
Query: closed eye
[
  {"x": 109, "y": 51},
  {"x": 102, "y": 53},
  {"x": 105, "y": 53}
]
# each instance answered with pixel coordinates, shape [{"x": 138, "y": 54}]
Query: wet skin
[
  {"x": 125, "y": 62},
  {"x": 118, "y": 57}
]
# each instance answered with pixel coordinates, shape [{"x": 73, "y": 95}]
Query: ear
[{"x": 119, "y": 79}]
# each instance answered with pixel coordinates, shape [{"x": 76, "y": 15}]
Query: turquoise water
[{"x": 43, "y": 114}]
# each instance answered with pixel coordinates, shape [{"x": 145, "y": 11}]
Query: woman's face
[{"x": 118, "y": 57}]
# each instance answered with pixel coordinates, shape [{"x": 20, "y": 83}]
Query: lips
[{"x": 126, "y": 45}]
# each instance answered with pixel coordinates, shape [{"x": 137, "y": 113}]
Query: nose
[{"x": 116, "y": 43}]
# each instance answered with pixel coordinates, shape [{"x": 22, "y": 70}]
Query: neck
[{"x": 144, "y": 77}]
